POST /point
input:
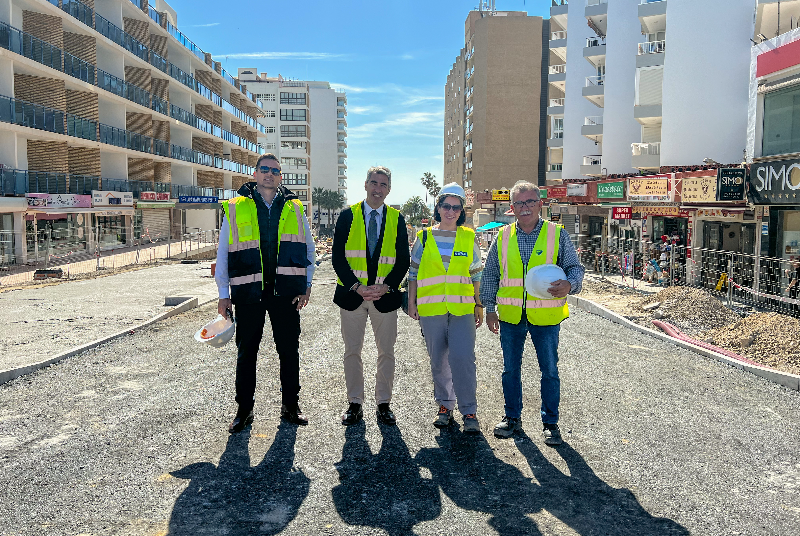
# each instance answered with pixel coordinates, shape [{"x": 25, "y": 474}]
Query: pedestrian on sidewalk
[
  {"x": 530, "y": 241},
  {"x": 370, "y": 257},
  {"x": 265, "y": 263},
  {"x": 444, "y": 295}
]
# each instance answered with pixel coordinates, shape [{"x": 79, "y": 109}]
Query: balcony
[
  {"x": 651, "y": 53},
  {"x": 79, "y": 10},
  {"x": 593, "y": 128},
  {"x": 557, "y": 76},
  {"x": 595, "y": 51},
  {"x": 31, "y": 115},
  {"x": 29, "y": 46},
  {"x": 595, "y": 13},
  {"x": 653, "y": 15},
  {"x": 646, "y": 155},
  {"x": 556, "y": 139},
  {"x": 592, "y": 166},
  {"x": 556, "y": 107},
  {"x": 554, "y": 172},
  {"x": 647, "y": 114},
  {"x": 558, "y": 10},
  {"x": 120, "y": 37},
  {"x": 558, "y": 44},
  {"x": 594, "y": 91}
]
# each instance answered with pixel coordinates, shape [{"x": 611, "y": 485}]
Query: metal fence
[{"x": 764, "y": 283}]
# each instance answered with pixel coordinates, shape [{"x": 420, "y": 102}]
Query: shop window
[{"x": 781, "y": 122}]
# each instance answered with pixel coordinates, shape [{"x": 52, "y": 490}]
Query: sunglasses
[
  {"x": 526, "y": 203},
  {"x": 448, "y": 206},
  {"x": 267, "y": 169}
]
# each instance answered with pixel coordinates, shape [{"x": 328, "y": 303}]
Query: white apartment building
[
  {"x": 635, "y": 85},
  {"x": 305, "y": 125}
]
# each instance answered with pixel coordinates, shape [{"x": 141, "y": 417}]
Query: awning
[
  {"x": 155, "y": 204},
  {"x": 490, "y": 226}
]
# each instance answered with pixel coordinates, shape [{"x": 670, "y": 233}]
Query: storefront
[
  {"x": 57, "y": 225},
  {"x": 12, "y": 230},
  {"x": 113, "y": 218},
  {"x": 152, "y": 219}
]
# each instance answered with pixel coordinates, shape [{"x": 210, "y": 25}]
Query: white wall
[
  {"x": 620, "y": 129},
  {"x": 113, "y": 165},
  {"x": 203, "y": 219},
  {"x": 324, "y": 167},
  {"x": 706, "y": 78},
  {"x": 576, "y": 107},
  {"x": 182, "y": 174},
  {"x": 8, "y": 149}
]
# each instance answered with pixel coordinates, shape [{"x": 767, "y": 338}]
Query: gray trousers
[{"x": 451, "y": 346}]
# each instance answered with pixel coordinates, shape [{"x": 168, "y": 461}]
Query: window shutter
[
  {"x": 651, "y": 133},
  {"x": 649, "y": 86}
]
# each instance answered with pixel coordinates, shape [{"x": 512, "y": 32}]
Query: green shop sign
[{"x": 610, "y": 189}]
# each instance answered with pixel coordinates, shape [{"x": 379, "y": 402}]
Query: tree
[
  {"x": 334, "y": 201},
  {"x": 415, "y": 210},
  {"x": 318, "y": 198},
  {"x": 431, "y": 186}
]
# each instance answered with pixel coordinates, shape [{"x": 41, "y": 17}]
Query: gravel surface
[
  {"x": 131, "y": 438},
  {"x": 37, "y": 323}
]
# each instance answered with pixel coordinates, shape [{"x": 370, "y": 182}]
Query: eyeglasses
[
  {"x": 267, "y": 170},
  {"x": 527, "y": 203},
  {"x": 448, "y": 206}
]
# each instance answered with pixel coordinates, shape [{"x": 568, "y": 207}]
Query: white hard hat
[
  {"x": 454, "y": 190},
  {"x": 217, "y": 333},
  {"x": 540, "y": 278}
]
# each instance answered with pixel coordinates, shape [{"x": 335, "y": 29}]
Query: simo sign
[{"x": 775, "y": 182}]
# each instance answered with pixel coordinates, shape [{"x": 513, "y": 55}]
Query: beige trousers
[{"x": 384, "y": 326}]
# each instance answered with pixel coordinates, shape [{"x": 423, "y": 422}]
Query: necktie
[{"x": 372, "y": 232}]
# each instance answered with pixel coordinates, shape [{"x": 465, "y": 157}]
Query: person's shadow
[
  {"x": 383, "y": 490},
  {"x": 474, "y": 479},
  {"x": 234, "y": 498}
]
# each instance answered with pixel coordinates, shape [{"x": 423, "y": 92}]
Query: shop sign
[
  {"x": 470, "y": 196},
  {"x": 153, "y": 196},
  {"x": 649, "y": 189},
  {"x": 776, "y": 183},
  {"x": 621, "y": 213},
  {"x": 484, "y": 197},
  {"x": 105, "y": 198},
  {"x": 699, "y": 190},
  {"x": 730, "y": 184},
  {"x": 59, "y": 201},
  {"x": 661, "y": 210},
  {"x": 198, "y": 199},
  {"x": 610, "y": 190},
  {"x": 719, "y": 213},
  {"x": 501, "y": 195},
  {"x": 542, "y": 193},
  {"x": 555, "y": 218},
  {"x": 576, "y": 190},
  {"x": 557, "y": 191}
]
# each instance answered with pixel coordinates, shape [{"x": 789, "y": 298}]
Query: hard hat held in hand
[
  {"x": 540, "y": 278},
  {"x": 217, "y": 333}
]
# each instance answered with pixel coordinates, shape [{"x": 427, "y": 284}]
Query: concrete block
[{"x": 171, "y": 301}]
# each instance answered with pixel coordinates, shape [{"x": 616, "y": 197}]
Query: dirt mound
[
  {"x": 692, "y": 310},
  {"x": 774, "y": 340}
]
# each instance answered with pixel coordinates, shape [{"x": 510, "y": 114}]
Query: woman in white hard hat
[{"x": 444, "y": 295}]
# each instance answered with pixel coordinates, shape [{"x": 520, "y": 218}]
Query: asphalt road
[{"x": 131, "y": 438}]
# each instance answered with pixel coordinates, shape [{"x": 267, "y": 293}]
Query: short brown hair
[
  {"x": 380, "y": 170},
  {"x": 266, "y": 156}
]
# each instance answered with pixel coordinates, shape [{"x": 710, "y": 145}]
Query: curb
[
  {"x": 11, "y": 374},
  {"x": 791, "y": 381}
]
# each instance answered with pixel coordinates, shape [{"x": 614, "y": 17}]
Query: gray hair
[
  {"x": 380, "y": 170},
  {"x": 524, "y": 186}
]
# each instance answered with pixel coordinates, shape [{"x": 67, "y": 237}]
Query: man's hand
[
  {"x": 378, "y": 290},
  {"x": 223, "y": 305},
  {"x": 412, "y": 310},
  {"x": 302, "y": 299},
  {"x": 560, "y": 288},
  {"x": 493, "y": 322},
  {"x": 365, "y": 292},
  {"x": 478, "y": 317}
]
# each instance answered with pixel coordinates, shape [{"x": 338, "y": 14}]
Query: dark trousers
[{"x": 285, "y": 320}]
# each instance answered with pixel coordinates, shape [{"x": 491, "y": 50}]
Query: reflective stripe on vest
[
  {"x": 511, "y": 296},
  {"x": 355, "y": 249},
  {"x": 439, "y": 291}
]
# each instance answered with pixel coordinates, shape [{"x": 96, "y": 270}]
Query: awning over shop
[
  {"x": 491, "y": 225},
  {"x": 154, "y": 204}
]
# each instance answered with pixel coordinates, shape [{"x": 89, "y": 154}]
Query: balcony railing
[
  {"x": 652, "y": 47},
  {"x": 79, "y": 10},
  {"x": 649, "y": 1},
  {"x": 593, "y": 160},
  {"x": 594, "y": 42},
  {"x": 125, "y": 138},
  {"x": 640, "y": 149},
  {"x": 556, "y": 102},
  {"x": 28, "y": 114},
  {"x": 124, "y": 89},
  {"x": 558, "y": 69},
  {"x": 154, "y": 15},
  {"x": 78, "y": 68},
  {"x": 556, "y": 3},
  {"x": 29, "y": 46},
  {"x": 595, "y": 2},
  {"x": 160, "y": 106},
  {"x": 555, "y": 167},
  {"x": 13, "y": 182},
  {"x": 555, "y": 36},
  {"x": 595, "y": 80},
  {"x": 593, "y": 120},
  {"x": 120, "y": 37},
  {"x": 158, "y": 62},
  {"x": 186, "y": 42},
  {"x": 557, "y": 135},
  {"x": 192, "y": 120}
]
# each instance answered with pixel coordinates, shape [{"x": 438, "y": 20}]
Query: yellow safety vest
[
  {"x": 245, "y": 265},
  {"x": 439, "y": 291},
  {"x": 355, "y": 249},
  {"x": 511, "y": 295}
]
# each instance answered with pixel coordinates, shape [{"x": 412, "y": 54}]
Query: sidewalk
[{"x": 38, "y": 323}]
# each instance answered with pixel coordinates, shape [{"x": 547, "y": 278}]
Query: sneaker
[
  {"x": 443, "y": 418},
  {"x": 471, "y": 425},
  {"x": 552, "y": 435},
  {"x": 507, "y": 427}
]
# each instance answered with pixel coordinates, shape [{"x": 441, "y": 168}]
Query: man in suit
[{"x": 370, "y": 257}]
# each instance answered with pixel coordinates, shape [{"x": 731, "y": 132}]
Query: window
[
  {"x": 302, "y": 195},
  {"x": 781, "y": 122},
  {"x": 270, "y": 130},
  {"x": 294, "y": 178},
  {"x": 293, "y": 98},
  {"x": 269, "y": 113},
  {"x": 295, "y": 162},
  {"x": 293, "y": 144},
  {"x": 293, "y": 115},
  {"x": 293, "y": 131},
  {"x": 266, "y": 96}
]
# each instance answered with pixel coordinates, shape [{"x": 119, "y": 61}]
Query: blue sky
[{"x": 392, "y": 58}]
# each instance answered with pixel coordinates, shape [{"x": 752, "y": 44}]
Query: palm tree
[
  {"x": 318, "y": 198},
  {"x": 415, "y": 210},
  {"x": 333, "y": 201},
  {"x": 431, "y": 186}
]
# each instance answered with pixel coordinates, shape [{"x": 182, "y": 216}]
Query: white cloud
[
  {"x": 406, "y": 57},
  {"x": 284, "y": 56},
  {"x": 204, "y": 25},
  {"x": 423, "y": 124},
  {"x": 363, "y": 109},
  {"x": 355, "y": 89},
  {"x": 418, "y": 99}
]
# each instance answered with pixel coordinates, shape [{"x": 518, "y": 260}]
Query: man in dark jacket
[
  {"x": 265, "y": 263},
  {"x": 370, "y": 257}
]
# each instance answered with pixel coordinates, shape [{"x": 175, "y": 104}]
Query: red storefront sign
[
  {"x": 556, "y": 191},
  {"x": 153, "y": 196},
  {"x": 621, "y": 213}
]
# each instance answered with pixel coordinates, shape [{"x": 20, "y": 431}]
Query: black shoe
[
  {"x": 552, "y": 435},
  {"x": 385, "y": 415},
  {"x": 240, "y": 422},
  {"x": 294, "y": 416},
  {"x": 353, "y": 414}
]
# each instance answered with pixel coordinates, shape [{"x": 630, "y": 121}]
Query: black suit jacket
[{"x": 349, "y": 300}]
